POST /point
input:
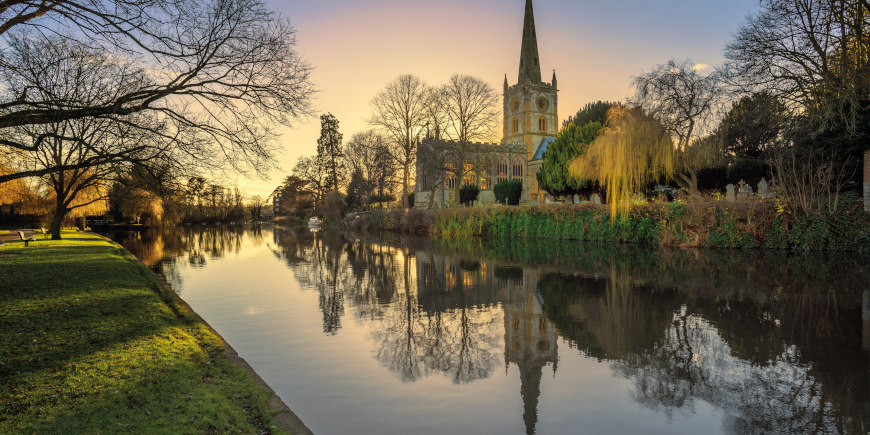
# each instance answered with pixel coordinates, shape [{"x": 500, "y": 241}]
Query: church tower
[{"x": 531, "y": 113}]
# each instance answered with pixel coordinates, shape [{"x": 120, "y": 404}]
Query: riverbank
[
  {"x": 714, "y": 224},
  {"x": 92, "y": 342}
]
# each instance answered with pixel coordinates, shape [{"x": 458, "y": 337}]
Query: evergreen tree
[
  {"x": 358, "y": 190},
  {"x": 570, "y": 143},
  {"x": 752, "y": 125},
  {"x": 329, "y": 152},
  {"x": 591, "y": 112}
]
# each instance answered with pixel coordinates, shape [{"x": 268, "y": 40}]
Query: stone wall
[{"x": 867, "y": 180}]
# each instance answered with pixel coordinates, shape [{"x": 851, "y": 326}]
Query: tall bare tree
[
  {"x": 224, "y": 71},
  {"x": 686, "y": 102},
  {"x": 368, "y": 153},
  {"x": 812, "y": 54},
  {"x": 309, "y": 170},
  {"x": 399, "y": 110},
  {"x": 472, "y": 115},
  {"x": 681, "y": 97}
]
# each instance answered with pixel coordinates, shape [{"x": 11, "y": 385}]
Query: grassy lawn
[{"x": 89, "y": 342}]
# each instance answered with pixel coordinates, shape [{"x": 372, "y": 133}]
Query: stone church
[{"x": 530, "y": 124}]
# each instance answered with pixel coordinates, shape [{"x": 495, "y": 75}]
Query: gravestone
[
  {"x": 576, "y": 199},
  {"x": 729, "y": 193},
  {"x": 596, "y": 199},
  {"x": 763, "y": 188},
  {"x": 745, "y": 191}
]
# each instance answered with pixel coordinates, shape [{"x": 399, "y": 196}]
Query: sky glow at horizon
[{"x": 356, "y": 47}]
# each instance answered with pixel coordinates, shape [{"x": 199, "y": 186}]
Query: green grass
[{"x": 91, "y": 343}]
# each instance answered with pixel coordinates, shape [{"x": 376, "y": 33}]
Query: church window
[
  {"x": 515, "y": 125},
  {"x": 518, "y": 168},
  {"x": 515, "y": 104},
  {"x": 484, "y": 181},
  {"x": 469, "y": 179},
  {"x": 502, "y": 166},
  {"x": 542, "y": 124},
  {"x": 450, "y": 174}
]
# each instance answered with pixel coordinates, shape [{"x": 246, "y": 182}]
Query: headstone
[
  {"x": 729, "y": 193},
  {"x": 743, "y": 192},
  {"x": 596, "y": 199},
  {"x": 763, "y": 188},
  {"x": 576, "y": 199}
]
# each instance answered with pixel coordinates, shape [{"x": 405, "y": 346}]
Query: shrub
[
  {"x": 332, "y": 207},
  {"x": 508, "y": 192},
  {"x": 468, "y": 194}
]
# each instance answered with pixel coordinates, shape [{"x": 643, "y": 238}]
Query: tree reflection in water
[{"x": 774, "y": 341}]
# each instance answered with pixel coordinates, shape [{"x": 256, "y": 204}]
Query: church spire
[{"x": 530, "y": 66}]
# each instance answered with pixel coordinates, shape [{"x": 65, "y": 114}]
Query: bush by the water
[
  {"x": 713, "y": 224},
  {"x": 508, "y": 192},
  {"x": 468, "y": 194}
]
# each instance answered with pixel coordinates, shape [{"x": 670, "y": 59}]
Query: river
[{"x": 387, "y": 334}]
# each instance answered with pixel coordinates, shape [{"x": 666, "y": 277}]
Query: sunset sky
[{"x": 357, "y": 46}]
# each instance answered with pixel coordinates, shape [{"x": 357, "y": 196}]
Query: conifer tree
[{"x": 329, "y": 153}]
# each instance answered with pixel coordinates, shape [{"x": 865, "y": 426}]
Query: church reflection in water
[{"x": 776, "y": 343}]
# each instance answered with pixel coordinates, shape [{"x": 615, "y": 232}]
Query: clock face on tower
[{"x": 543, "y": 104}]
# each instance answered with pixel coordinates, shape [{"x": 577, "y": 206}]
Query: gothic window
[
  {"x": 515, "y": 104},
  {"x": 543, "y": 104},
  {"x": 469, "y": 179},
  {"x": 542, "y": 124},
  {"x": 484, "y": 181},
  {"x": 450, "y": 176},
  {"x": 501, "y": 170},
  {"x": 518, "y": 168},
  {"x": 515, "y": 125}
]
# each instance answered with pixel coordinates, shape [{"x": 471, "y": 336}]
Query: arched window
[
  {"x": 518, "y": 168},
  {"x": 468, "y": 178},
  {"x": 502, "y": 170},
  {"x": 542, "y": 124},
  {"x": 515, "y": 104},
  {"x": 450, "y": 174},
  {"x": 484, "y": 181},
  {"x": 515, "y": 126}
]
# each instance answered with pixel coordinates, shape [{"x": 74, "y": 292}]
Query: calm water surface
[{"x": 400, "y": 335}]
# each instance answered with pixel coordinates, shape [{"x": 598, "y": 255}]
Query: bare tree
[
  {"x": 309, "y": 170},
  {"x": 812, "y": 54},
  {"x": 368, "y": 153},
  {"x": 686, "y": 103},
  {"x": 471, "y": 106},
  {"x": 680, "y": 97},
  {"x": 399, "y": 110},
  {"x": 218, "y": 75}
]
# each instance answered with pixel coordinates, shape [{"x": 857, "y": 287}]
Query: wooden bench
[{"x": 26, "y": 240}]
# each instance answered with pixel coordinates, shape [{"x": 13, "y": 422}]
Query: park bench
[{"x": 26, "y": 240}]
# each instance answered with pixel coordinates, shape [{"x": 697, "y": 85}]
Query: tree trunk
[
  {"x": 57, "y": 220},
  {"x": 405, "y": 170}
]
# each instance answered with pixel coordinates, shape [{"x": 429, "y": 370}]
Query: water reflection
[{"x": 773, "y": 343}]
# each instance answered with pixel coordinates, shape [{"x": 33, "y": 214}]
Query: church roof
[
  {"x": 542, "y": 148},
  {"x": 530, "y": 68}
]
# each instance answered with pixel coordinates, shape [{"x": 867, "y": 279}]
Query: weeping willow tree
[{"x": 634, "y": 151}]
